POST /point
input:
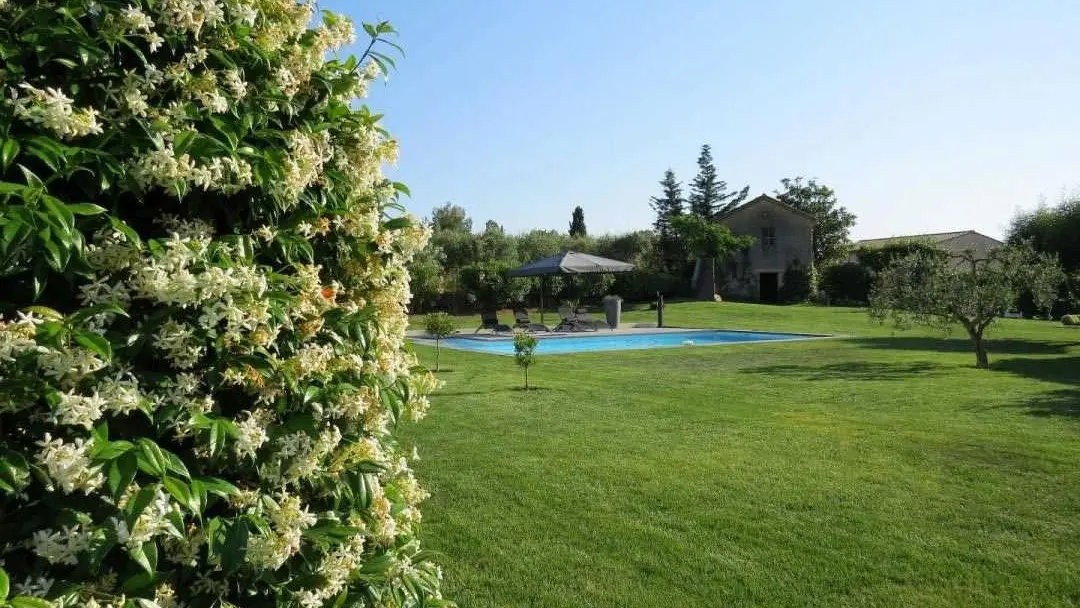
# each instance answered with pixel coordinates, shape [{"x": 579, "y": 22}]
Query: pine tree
[
  {"x": 708, "y": 195},
  {"x": 667, "y": 206},
  {"x": 577, "y": 223}
]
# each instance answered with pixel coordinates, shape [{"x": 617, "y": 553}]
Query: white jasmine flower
[
  {"x": 56, "y": 112},
  {"x": 68, "y": 465},
  {"x": 79, "y": 410}
]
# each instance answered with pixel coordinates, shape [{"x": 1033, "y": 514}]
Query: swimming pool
[{"x": 604, "y": 340}]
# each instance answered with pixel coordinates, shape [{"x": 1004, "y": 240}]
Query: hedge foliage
[{"x": 203, "y": 286}]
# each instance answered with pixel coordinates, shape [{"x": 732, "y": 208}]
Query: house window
[{"x": 768, "y": 237}]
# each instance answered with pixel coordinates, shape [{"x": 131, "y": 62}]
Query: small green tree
[
  {"x": 524, "y": 349},
  {"x": 966, "y": 290},
  {"x": 439, "y": 325},
  {"x": 708, "y": 240}
]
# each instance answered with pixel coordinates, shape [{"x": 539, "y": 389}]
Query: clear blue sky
[{"x": 924, "y": 115}]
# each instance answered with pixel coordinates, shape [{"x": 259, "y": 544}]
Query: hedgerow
[{"x": 203, "y": 290}]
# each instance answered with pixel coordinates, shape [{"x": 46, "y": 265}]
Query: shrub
[
  {"x": 877, "y": 259},
  {"x": 798, "y": 284},
  {"x": 1070, "y": 320},
  {"x": 489, "y": 285},
  {"x": 846, "y": 283},
  {"x": 199, "y": 389},
  {"x": 439, "y": 325}
]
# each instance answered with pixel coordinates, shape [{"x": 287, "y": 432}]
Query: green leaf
[
  {"x": 402, "y": 188},
  {"x": 82, "y": 314},
  {"x": 8, "y": 151},
  {"x": 5, "y": 584},
  {"x": 138, "y": 503},
  {"x": 86, "y": 209},
  {"x": 145, "y": 555},
  {"x": 25, "y": 601},
  {"x": 181, "y": 492},
  {"x": 95, "y": 342},
  {"x": 398, "y": 223},
  {"x": 218, "y": 487},
  {"x": 126, "y": 230},
  {"x": 198, "y": 496},
  {"x": 232, "y": 553},
  {"x": 111, "y": 450},
  {"x": 151, "y": 458},
  {"x": 121, "y": 473},
  {"x": 100, "y": 433},
  {"x": 176, "y": 465}
]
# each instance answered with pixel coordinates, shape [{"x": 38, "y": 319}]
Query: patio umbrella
[{"x": 568, "y": 262}]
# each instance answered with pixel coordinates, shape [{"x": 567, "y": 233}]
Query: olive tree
[
  {"x": 202, "y": 312},
  {"x": 963, "y": 289}
]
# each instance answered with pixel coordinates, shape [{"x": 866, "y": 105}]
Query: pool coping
[{"x": 423, "y": 338}]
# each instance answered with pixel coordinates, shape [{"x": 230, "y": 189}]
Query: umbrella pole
[{"x": 541, "y": 299}]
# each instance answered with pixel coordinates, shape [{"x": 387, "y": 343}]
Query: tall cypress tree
[
  {"x": 577, "y": 222},
  {"x": 708, "y": 194}
]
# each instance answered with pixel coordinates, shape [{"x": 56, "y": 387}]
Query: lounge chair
[
  {"x": 522, "y": 321},
  {"x": 583, "y": 318},
  {"x": 572, "y": 321},
  {"x": 490, "y": 320}
]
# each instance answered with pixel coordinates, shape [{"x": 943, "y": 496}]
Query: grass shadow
[
  {"x": 961, "y": 344},
  {"x": 1065, "y": 403},
  {"x": 1064, "y": 370},
  {"x": 854, "y": 370},
  {"x": 492, "y": 391}
]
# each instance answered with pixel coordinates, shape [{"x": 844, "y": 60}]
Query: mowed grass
[{"x": 876, "y": 470}]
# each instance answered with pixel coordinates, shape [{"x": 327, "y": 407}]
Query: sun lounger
[
  {"x": 572, "y": 321},
  {"x": 522, "y": 321},
  {"x": 490, "y": 320}
]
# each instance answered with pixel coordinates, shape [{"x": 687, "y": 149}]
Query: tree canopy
[
  {"x": 941, "y": 291},
  {"x": 708, "y": 196},
  {"x": 832, "y": 222},
  {"x": 577, "y": 223}
]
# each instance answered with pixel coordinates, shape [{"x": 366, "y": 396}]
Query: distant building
[
  {"x": 783, "y": 238},
  {"x": 952, "y": 242}
]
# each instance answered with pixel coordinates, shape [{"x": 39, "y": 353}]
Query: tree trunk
[
  {"x": 982, "y": 357},
  {"x": 436, "y": 354},
  {"x": 526, "y": 377}
]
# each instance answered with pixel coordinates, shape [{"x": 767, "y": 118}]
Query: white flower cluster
[
  {"x": 79, "y": 410},
  {"x": 55, "y": 111},
  {"x": 251, "y": 432},
  {"x": 152, "y": 522},
  {"x": 336, "y": 568},
  {"x": 162, "y": 167},
  {"x": 68, "y": 465},
  {"x": 288, "y": 518},
  {"x": 69, "y": 365},
  {"x": 63, "y": 546},
  {"x": 17, "y": 337},
  {"x": 191, "y": 15}
]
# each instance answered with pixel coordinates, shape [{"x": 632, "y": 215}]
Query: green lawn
[{"x": 876, "y": 470}]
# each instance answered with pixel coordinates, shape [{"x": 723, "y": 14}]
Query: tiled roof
[{"x": 936, "y": 237}]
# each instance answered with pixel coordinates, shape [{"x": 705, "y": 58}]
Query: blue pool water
[{"x": 602, "y": 340}]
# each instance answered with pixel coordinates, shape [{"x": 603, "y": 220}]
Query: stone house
[{"x": 783, "y": 239}]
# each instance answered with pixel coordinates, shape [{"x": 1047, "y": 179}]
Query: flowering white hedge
[{"x": 202, "y": 289}]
